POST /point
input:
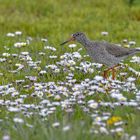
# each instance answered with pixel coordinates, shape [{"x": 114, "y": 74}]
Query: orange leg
[
  {"x": 105, "y": 74},
  {"x": 113, "y": 73}
]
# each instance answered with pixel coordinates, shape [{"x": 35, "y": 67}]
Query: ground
[{"x": 53, "y": 92}]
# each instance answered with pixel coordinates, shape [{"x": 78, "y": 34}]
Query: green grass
[{"x": 56, "y": 21}]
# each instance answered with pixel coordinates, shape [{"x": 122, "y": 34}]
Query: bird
[{"x": 103, "y": 52}]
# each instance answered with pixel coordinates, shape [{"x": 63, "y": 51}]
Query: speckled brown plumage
[{"x": 103, "y": 52}]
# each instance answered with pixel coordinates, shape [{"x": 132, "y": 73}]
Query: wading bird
[{"x": 103, "y": 52}]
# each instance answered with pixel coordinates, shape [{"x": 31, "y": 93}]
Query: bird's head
[{"x": 78, "y": 36}]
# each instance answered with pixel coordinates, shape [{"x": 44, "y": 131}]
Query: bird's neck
[{"x": 85, "y": 42}]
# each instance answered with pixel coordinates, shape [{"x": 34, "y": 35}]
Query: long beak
[{"x": 71, "y": 39}]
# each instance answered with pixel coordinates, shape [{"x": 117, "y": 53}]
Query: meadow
[{"x": 53, "y": 92}]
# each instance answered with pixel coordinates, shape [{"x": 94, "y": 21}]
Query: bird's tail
[
  {"x": 134, "y": 51},
  {"x": 137, "y": 50}
]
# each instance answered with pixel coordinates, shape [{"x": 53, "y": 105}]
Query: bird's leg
[
  {"x": 113, "y": 73},
  {"x": 105, "y": 74}
]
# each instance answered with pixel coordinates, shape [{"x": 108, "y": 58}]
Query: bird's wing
[{"x": 117, "y": 51}]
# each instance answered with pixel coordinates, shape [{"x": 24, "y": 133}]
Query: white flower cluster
[{"x": 67, "y": 82}]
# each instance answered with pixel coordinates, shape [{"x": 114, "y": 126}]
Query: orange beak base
[{"x": 71, "y": 39}]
